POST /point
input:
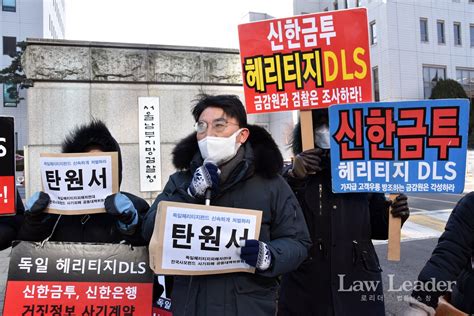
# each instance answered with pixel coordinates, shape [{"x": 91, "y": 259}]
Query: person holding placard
[
  {"x": 450, "y": 269},
  {"x": 342, "y": 275},
  {"x": 124, "y": 211},
  {"x": 235, "y": 164}
]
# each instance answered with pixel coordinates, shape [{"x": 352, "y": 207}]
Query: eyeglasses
[{"x": 218, "y": 125}]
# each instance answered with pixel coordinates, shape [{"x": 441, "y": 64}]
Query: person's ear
[{"x": 243, "y": 135}]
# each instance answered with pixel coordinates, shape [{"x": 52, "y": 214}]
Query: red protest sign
[
  {"x": 60, "y": 278},
  {"x": 307, "y": 61},
  {"x": 7, "y": 165}
]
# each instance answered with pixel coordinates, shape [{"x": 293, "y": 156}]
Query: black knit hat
[{"x": 93, "y": 134}]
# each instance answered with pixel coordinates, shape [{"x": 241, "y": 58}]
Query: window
[
  {"x": 373, "y": 33},
  {"x": 336, "y": 6},
  {"x": 375, "y": 78},
  {"x": 424, "y": 30},
  {"x": 471, "y": 33},
  {"x": 9, "y": 5},
  {"x": 457, "y": 33},
  {"x": 431, "y": 76},
  {"x": 359, "y": 3},
  {"x": 9, "y": 45},
  {"x": 8, "y": 101},
  {"x": 465, "y": 76},
  {"x": 346, "y": 5},
  {"x": 440, "y": 28}
]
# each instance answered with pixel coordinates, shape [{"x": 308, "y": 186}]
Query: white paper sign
[
  {"x": 196, "y": 240},
  {"x": 78, "y": 183},
  {"x": 149, "y": 143}
]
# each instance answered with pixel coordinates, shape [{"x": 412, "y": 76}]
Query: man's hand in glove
[
  {"x": 256, "y": 254},
  {"x": 416, "y": 308},
  {"x": 205, "y": 177},
  {"x": 120, "y": 206},
  {"x": 37, "y": 203},
  {"x": 307, "y": 162},
  {"x": 400, "y": 207}
]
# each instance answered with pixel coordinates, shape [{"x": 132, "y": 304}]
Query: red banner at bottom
[
  {"x": 51, "y": 298},
  {"x": 7, "y": 195}
]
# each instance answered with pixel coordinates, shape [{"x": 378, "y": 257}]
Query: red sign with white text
[
  {"x": 307, "y": 61},
  {"x": 7, "y": 166}
]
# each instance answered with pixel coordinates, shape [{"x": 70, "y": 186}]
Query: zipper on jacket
[
  {"x": 355, "y": 251},
  {"x": 320, "y": 199}
]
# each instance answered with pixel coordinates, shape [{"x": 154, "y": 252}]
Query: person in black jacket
[
  {"x": 451, "y": 265},
  {"x": 239, "y": 164},
  {"x": 124, "y": 211},
  {"x": 10, "y": 225},
  {"x": 342, "y": 227}
]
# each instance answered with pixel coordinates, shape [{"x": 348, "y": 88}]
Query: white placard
[
  {"x": 149, "y": 143},
  {"x": 196, "y": 239},
  {"x": 78, "y": 183}
]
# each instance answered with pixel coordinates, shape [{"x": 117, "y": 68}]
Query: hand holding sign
[
  {"x": 120, "y": 206},
  {"x": 399, "y": 207},
  {"x": 37, "y": 203},
  {"x": 307, "y": 162},
  {"x": 255, "y": 253}
]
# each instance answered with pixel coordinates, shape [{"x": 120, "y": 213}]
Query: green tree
[
  {"x": 14, "y": 75},
  {"x": 451, "y": 89}
]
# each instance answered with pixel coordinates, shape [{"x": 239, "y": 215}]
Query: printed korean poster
[
  {"x": 409, "y": 146},
  {"x": 192, "y": 239},
  {"x": 78, "y": 183},
  {"x": 305, "y": 62},
  {"x": 7, "y": 166},
  {"x": 59, "y": 278}
]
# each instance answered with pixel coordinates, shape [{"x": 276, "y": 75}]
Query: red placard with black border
[
  {"x": 306, "y": 62},
  {"x": 60, "y": 278},
  {"x": 7, "y": 166}
]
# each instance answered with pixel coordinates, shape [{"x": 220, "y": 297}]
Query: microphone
[{"x": 207, "y": 196}]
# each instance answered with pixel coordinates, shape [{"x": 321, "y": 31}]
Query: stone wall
[{"x": 77, "y": 81}]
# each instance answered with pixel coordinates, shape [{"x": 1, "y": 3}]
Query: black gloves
[
  {"x": 37, "y": 203},
  {"x": 400, "y": 207},
  {"x": 120, "y": 206},
  {"x": 305, "y": 163}
]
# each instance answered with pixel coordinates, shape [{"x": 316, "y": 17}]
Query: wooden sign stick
[
  {"x": 394, "y": 232},
  {"x": 307, "y": 129}
]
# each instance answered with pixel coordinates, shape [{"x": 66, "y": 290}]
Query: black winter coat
[
  {"x": 10, "y": 225},
  {"x": 100, "y": 228},
  {"x": 341, "y": 228},
  {"x": 452, "y": 259},
  {"x": 254, "y": 183}
]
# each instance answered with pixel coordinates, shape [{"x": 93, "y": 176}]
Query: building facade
[
  {"x": 21, "y": 19},
  {"x": 413, "y": 43}
]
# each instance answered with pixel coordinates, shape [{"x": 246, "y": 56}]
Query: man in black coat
[
  {"x": 239, "y": 164},
  {"x": 451, "y": 266},
  {"x": 124, "y": 211},
  {"x": 342, "y": 227}
]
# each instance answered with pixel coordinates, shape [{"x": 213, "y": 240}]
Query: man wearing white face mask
[
  {"x": 341, "y": 227},
  {"x": 239, "y": 164}
]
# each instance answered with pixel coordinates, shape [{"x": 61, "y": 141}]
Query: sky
[{"x": 205, "y": 23}]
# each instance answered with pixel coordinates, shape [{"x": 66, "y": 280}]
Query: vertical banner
[
  {"x": 149, "y": 139},
  {"x": 307, "y": 61},
  {"x": 78, "y": 279},
  {"x": 78, "y": 183},
  {"x": 407, "y": 146},
  {"x": 7, "y": 166}
]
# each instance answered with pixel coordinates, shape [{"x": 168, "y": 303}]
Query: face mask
[
  {"x": 219, "y": 149},
  {"x": 321, "y": 137}
]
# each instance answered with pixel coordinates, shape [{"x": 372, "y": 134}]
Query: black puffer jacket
[
  {"x": 254, "y": 183},
  {"x": 452, "y": 259},
  {"x": 341, "y": 228}
]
